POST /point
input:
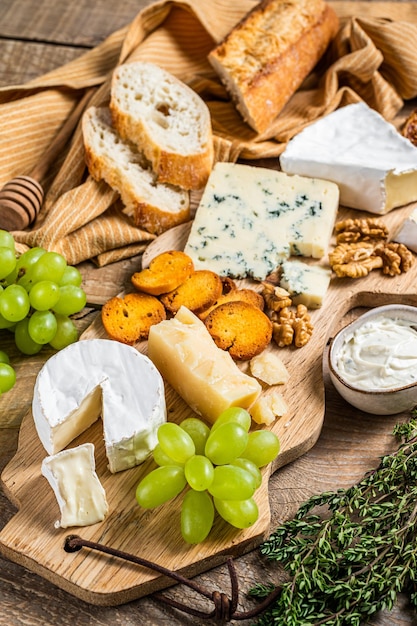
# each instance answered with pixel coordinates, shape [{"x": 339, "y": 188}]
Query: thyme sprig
[{"x": 348, "y": 553}]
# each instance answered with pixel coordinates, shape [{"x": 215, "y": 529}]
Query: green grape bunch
[
  {"x": 217, "y": 468},
  {"x": 39, "y": 292}
]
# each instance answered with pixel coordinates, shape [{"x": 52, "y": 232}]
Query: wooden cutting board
[{"x": 31, "y": 539}]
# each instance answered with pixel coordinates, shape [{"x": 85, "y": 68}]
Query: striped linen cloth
[{"x": 371, "y": 59}]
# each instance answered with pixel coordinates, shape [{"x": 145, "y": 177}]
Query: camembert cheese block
[
  {"x": 78, "y": 490},
  {"x": 251, "y": 219},
  {"x": 355, "y": 147},
  {"x": 205, "y": 376},
  {"x": 100, "y": 377}
]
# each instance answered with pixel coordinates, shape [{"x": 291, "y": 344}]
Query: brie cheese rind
[
  {"x": 100, "y": 377},
  {"x": 407, "y": 232},
  {"x": 374, "y": 166},
  {"x": 78, "y": 490}
]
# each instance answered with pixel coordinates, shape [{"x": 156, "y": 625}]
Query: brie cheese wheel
[
  {"x": 205, "y": 376},
  {"x": 100, "y": 377},
  {"x": 78, "y": 490},
  {"x": 373, "y": 165},
  {"x": 407, "y": 232}
]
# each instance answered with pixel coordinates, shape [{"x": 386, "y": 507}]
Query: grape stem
[{"x": 225, "y": 608}]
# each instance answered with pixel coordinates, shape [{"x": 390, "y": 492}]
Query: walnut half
[
  {"x": 361, "y": 229},
  {"x": 354, "y": 260},
  {"x": 292, "y": 327}
]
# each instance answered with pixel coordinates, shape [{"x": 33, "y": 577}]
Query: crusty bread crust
[
  {"x": 166, "y": 272},
  {"x": 129, "y": 319},
  {"x": 240, "y": 328},
  {"x": 266, "y": 57},
  {"x": 153, "y": 206},
  {"x": 241, "y": 295},
  {"x": 167, "y": 120},
  {"x": 197, "y": 293}
]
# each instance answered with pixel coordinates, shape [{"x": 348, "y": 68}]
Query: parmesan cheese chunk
[
  {"x": 205, "y": 376},
  {"x": 269, "y": 368},
  {"x": 268, "y": 408}
]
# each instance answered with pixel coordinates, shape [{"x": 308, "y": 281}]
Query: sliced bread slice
[
  {"x": 166, "y": 119},
  {"x": 153, "y": 206}
]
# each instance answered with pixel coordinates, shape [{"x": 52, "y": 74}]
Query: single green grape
[
  {"x": 49, "y": 266},
  {"x": 5, "y": 323},
  {"x": 6, "y": 239},
  {"x": 226, "y": 443},
  {"x": 160, "y": 485},
  {"x": 7, "y": 377},
  {"x": 249, "y": 466},
  {"x": 28, "y": 259},
  {"x": 72, "y": 299},
  {"x": 71, "y": 276},
  {"x": 66, "y": 333},
  {"x": 14, "y": 303},
  {"x": 233, "y": 414},
  {"x": 42, "y": 326},
  {"x": 175, "y": 442},
  {"x": 198, "y": 431},
  {"x": 7, "y": 261},
  {"x": 44, "y": 295},
  {"x": 232, "y": 483},
  {"x": 199, "y": 472},
  {"x": 238, "y": 513},
  {"x": 263, "y": 447},
  {"x": 23, "y": 340},
  {"x": 161, "y": 458},
  {"x": 4, "y": 357},
  {"x": 197, "y": 516}
]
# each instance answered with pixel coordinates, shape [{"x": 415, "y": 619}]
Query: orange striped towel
[{"x": 371, "y": 59}]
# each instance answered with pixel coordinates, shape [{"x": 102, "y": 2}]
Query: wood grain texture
[
  {"x": 350, "y": 442},
  {"x": 30, "y": 537}
]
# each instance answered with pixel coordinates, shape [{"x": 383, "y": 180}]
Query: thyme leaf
[{"x": 349, "y": 553}]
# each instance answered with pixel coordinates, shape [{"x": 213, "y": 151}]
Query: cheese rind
[
  {"x": 374, "y": 166},
  {"x": 407, "y": 232},
  {"x": 306, "y": 284},
  {"x": 100, "y": 377},
  {"x": 205, "y": 376},
  {"x": 251, "y": 219},
  {"x": 78, "y": 490}
]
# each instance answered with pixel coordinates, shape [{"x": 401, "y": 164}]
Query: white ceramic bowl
[{"x": 376, "y": 401}]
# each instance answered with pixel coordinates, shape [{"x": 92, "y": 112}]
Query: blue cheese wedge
[
  {"x": 355, "y": 147},
  {"x": 251, "y": 219},
  {"x": 100, "y": 377},
  {"x": 306, "y": 284},
  {"x": 407, "y": 232},
  {"x": 78, "y": 490}
]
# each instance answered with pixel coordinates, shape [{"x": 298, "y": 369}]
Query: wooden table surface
[{"x": 35, "y": 37}]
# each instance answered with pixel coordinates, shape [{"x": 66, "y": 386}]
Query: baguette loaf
[
  {"x": 153, "y": 206},
  {"x": 166, "y": 119},
  {"x": 266, "y": 57}
]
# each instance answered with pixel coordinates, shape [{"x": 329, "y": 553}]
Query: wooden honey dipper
[{"x": 21, "y": 198}]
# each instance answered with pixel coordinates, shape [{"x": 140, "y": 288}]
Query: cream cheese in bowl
[{"x": 373, "y": 360}]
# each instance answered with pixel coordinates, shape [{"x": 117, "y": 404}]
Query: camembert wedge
[{"x": 78, "y": 490}]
